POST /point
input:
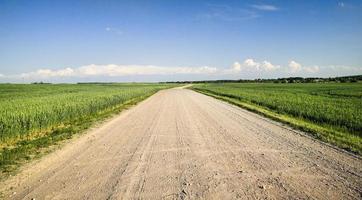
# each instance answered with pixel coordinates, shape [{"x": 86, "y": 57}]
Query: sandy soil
[{"x": 179, "y": 144}]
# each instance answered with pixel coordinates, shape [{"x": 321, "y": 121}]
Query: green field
[
  {"x": 331, "y": 112},
  {"x": 35, "y": 116}
]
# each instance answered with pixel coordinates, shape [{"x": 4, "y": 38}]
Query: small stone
[
  {"x": 241, "y": 171},
  {"x": 261, "y": 187}
]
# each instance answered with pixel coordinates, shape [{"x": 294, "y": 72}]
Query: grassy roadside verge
[
  {"x": 11, "y": 158},
  {"x": 349, "y": 142}
]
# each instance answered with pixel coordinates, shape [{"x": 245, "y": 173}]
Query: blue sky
[{"x": 69, "y": 41}]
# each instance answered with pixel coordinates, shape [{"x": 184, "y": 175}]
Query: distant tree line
[
  {"x": 341, "y": 79},
  {"x": 40, "y": 83}
]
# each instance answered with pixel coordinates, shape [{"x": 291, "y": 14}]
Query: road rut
[{"x": 179, "y": 144}]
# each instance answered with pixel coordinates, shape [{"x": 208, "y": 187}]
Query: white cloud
[
  {"x": 236, "y": 66},
  {"x": 227, "y": 13},
  {"x": 50, "y": 73},
  {"x": 113, "y": 70},
  {"x": 114, "y": 30},
  {"x": 294, "y": 67},
  {"x": 249, "y": 68},
  {"x": 313, "y": 69},
  {"x": 252, "y": 65},
  {"x": 265, "y": 7},
  {"x": 341, "y": 4},
  {"x": 267, "y": 66}
]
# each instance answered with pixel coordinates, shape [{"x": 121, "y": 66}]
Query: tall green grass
[
  {"x": 334, "y": 107},
  {"x": 38, "y": 115},
  {"x": 25, "y": 109}
]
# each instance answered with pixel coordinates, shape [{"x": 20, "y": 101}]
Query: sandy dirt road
[{"x": 179, "y": 144}]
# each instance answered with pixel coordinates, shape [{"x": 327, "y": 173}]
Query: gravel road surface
[{"x": 179, "y": 144}]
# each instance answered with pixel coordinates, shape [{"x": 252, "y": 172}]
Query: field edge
[
  {"x": 328, "y": 136},
  {"x": 27, "y": 151}
]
